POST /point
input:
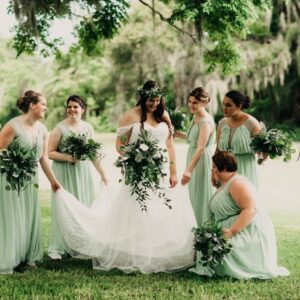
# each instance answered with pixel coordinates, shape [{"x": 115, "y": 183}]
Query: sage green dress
[
  {"x": 254, "y": 252},
  {"x": 200, "y": 187},
  {"x": 75, "y": 178},
  {"x": 20, "y": 221},
  {"x": 237, "y": 140}
]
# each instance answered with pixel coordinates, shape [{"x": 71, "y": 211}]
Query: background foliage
[{"x": 246, "y": 45}]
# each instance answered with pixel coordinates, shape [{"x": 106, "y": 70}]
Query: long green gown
[
  {"x": 254, "y": 252},
  {"x": 237, "y": 140},
  {"x": 200, "y": 187},
  {"x": 75, "y": 178},
  {"x": 20, "y": 221}
]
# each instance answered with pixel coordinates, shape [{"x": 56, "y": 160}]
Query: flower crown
[{"x": 152, "y": 93}]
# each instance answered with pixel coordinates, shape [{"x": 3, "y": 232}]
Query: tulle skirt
[{"x": 116, "y": 233}]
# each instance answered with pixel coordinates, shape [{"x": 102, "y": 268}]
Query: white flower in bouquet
[{"x": 144, "y": 147}]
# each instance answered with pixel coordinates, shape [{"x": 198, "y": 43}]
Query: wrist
[{"x": 187, "y": 173}]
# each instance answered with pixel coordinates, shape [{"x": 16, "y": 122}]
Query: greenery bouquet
[
  {"x": 273, "y": 142},
  {"x": 142, "y": 166},
  {"x": 19, "y": 167},
  {"x": 80, "y": 147},
  {"x": 178, "y": 119},
  {"x": 211, "y": 243}
]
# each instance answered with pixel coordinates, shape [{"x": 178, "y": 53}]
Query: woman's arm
[
  {"x": 244, "y": 197},
  {"x": 172, "y": 161},
  {"x": 218, "y": 138},
  {"x": 204, "y": 135},
  {"x": 54, "y": 140},
  {"x": 45, "y": 164},
  {"x": 6, "y": 136},
  {"x": 180, "y": 134},
  {"x": 129, "y": 118}
]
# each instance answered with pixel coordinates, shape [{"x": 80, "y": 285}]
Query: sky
[{"x": 60, "y": 28}]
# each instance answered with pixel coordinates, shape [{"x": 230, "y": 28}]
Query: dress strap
[
  {"x": 250, "y": 124},
  {"x": 123, "y": 130},
  {"x": 222, "y": 123}
]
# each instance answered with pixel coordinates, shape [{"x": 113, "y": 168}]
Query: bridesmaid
[
  {"x": 75, "y": 176},
  {"x": 235, "y": 207},
  {"x": 235, "y": 131},
  {"x": 20, "y": 223},
  {"x": 201, "y": 139}
]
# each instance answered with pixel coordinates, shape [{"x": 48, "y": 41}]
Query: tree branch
[{"x": 163, "y": 18}]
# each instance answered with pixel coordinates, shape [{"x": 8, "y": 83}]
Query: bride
[{"x": 115, "y": 232}]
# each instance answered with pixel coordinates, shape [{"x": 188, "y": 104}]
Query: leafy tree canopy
[{"x": 213, "y": 25}]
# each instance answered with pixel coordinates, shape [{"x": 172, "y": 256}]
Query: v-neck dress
[
  {"x": 254, "y": 252},
  {"x": 20, "y": 221},
  {"x": 237, "y": 141},
  {"x": 75, "y": 178}
]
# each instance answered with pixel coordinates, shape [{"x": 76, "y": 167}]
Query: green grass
[{"x": 75, "y": 279}]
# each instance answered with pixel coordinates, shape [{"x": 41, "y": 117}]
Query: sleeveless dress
[
  {"x": 237, "y": 140},
  {"x": 254, "y": 252},
  {"x": 200, "y": 187},
  {"x": 75, "y": 178},
  {"x": 20, "y": 221},
  {"x": 117, "y": 234}
]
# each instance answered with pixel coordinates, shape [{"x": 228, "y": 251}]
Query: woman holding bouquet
[
  {"x": 201, "y": 139},
  {"x": 235, "y": 131},
  {"x": 20, "y": 224},
  {"x": 75, "y": 175},
  {"x": 235, "y": 207},
  {"x": 122, "y": 233}
]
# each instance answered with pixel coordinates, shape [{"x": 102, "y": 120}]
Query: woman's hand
[
  {"x": 71, "y": 159},
  {"x": 227, "y": 233},
  {"x": 186, "y": 177},
  {"x": 55, "y": 185},
  {"x": 173, "y": 180}
]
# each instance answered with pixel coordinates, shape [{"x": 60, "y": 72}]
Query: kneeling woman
[{"x": 235, "y": 207}]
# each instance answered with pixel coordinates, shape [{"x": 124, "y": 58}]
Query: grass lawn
[{"x": 75, "y": 279}]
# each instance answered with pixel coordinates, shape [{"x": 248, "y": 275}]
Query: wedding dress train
[{"x": 117, "y": 234}]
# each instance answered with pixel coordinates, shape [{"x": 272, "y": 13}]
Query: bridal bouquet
[
  {"x": 142, "y": 166},
  {"x": 211, "y": 243},
  {"x": 178, "y": 119},
  {"x": 19, "y": 166},
  {"x": 275, "y": 143},
  {"x": 80, "y": 147}
]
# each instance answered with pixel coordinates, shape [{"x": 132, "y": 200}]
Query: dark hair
[
  {"x": 78, "y": 99},
  {"x": 225, "y": 161},
  {"x": 29, "y": 97},
  {"x": 200, "y": 94},
  {"x": 159, "y": 112},
  {"x": 239, "y": 99}
]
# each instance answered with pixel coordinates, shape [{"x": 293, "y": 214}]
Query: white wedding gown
[{"x": 117, "y": 234}]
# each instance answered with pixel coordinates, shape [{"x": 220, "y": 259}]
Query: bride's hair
[
  {"x": 158, "y": 114},
  {"x": 29, "y": 97}
]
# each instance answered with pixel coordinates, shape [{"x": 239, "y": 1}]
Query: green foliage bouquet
[
  {"x": 142, "y": 166},
  {"x": 178, "y": 119},
  {"x": 80, "y": 147},
  {"x": 211, "y": 243},
  {"x": 19, "y": 166},
  {"x": 273, "y": 142}
]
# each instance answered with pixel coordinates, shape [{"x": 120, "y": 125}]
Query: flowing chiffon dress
[
  {"x": 76, "y": 178},
  {"x": 254, "y": 251},
  {"x": 20, "y": 221},
  {"x": 200, "y": 187},
  {"x": 117, "y": 234},
  {"x": 237, "y": 141}
]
